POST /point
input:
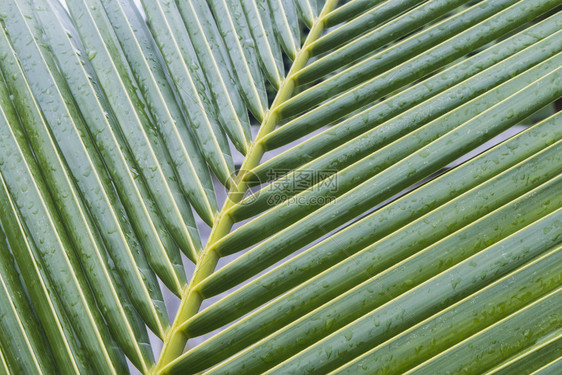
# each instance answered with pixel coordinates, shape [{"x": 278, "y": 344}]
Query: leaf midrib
[{"x": 175, "y": 340}]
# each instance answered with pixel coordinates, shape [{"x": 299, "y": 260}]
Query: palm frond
[{"x": 374, "y": 224}]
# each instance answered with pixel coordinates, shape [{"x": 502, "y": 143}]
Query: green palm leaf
[{"x": 393, "y": 172}]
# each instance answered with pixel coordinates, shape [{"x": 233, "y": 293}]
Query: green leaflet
[
  {"x": 349, "y": 11},
  {"x": 4, "y": 370},
  {"x": 307, "y": 11},
  {"x": 268, "y": 49},
  {"x": 22, "y": 339},
  {"x": 550, "y": 368},
  {"x": 236, "y": 34},
  {"x": 285, "y": 19},
  {"x": 532, "y": 358}
]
